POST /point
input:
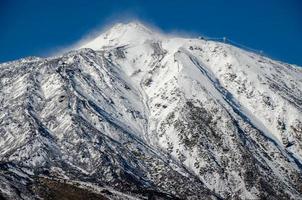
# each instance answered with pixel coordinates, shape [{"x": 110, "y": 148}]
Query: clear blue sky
[{"x": 38, "y": 27}]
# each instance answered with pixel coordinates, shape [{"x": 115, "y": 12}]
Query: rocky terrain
[{"x": 138, "y": 114}]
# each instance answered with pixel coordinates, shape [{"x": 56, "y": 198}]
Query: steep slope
[{"x": 152, "y": 116}]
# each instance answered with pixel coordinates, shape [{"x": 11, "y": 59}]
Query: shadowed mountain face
[{"x": 135, "y": 114}]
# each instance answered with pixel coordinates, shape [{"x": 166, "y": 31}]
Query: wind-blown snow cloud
[{"x": 125, "y": 18}]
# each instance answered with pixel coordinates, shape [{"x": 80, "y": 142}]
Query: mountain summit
[
  {"x": 130, "y": 33},
  {"x": 137, "y": 114}
]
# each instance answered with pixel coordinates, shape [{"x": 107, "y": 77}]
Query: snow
[
  {"x": 127, "y": 91},
  {"x": 207, "y": 66}
]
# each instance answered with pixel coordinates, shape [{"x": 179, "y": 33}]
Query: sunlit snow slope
[{"x": 141, "y": 114}]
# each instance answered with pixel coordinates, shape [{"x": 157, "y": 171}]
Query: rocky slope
[{"x": 136, "y": 114}]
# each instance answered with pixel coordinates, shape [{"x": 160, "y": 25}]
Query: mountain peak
[
  {"x": 134, "y": 25},
  {"x": 121, "y": 34}
]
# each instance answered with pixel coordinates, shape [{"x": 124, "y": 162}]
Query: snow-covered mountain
[{"x": 137, "y": 114}]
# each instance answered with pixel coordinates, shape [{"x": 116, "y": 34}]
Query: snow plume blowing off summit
[{"x": 135, "y": 114}]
